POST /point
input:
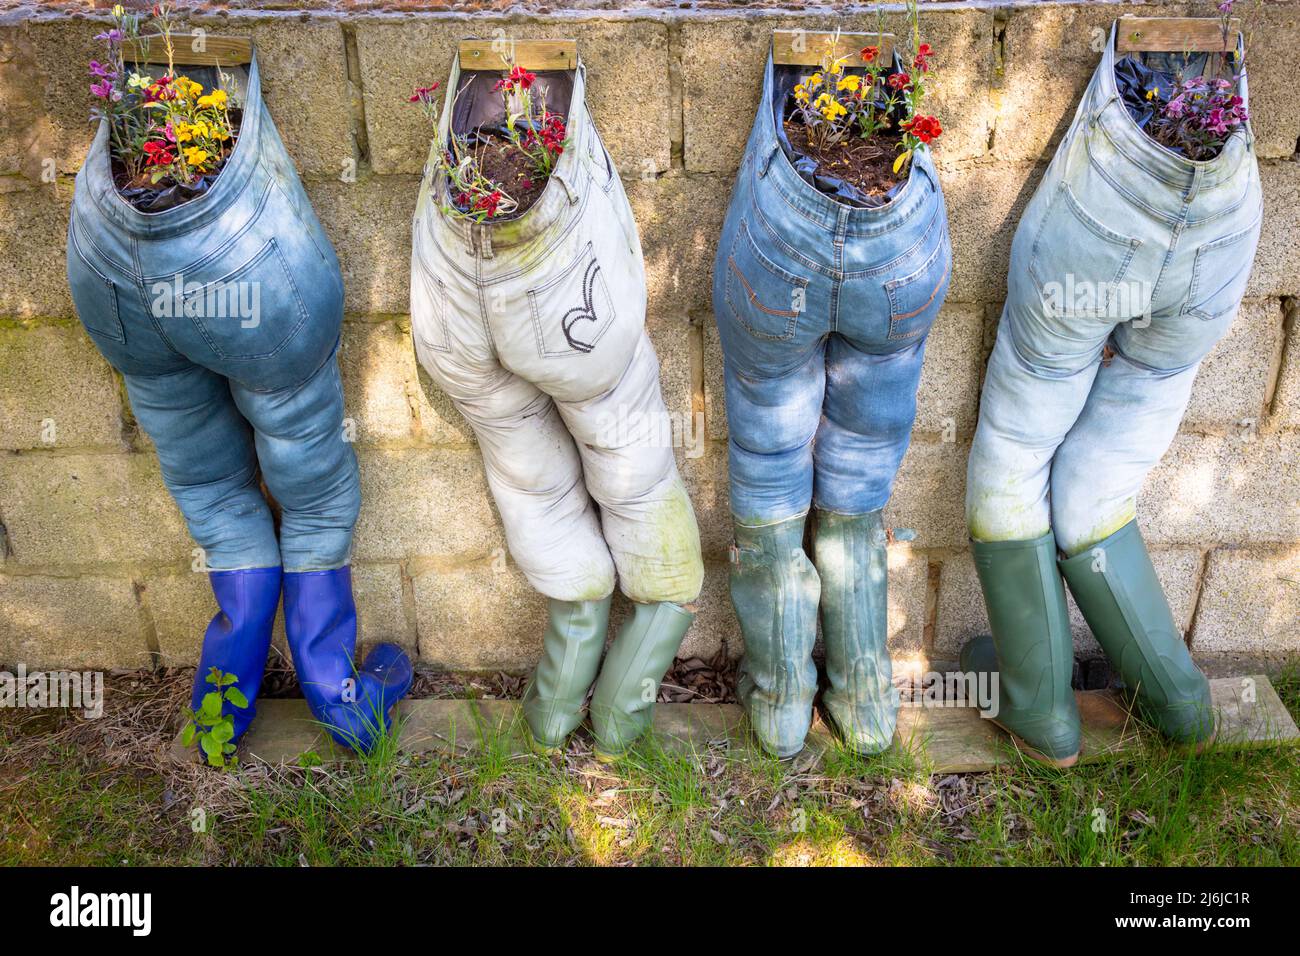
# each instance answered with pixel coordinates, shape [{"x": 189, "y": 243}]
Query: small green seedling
[{"x": 209, "y": 726}]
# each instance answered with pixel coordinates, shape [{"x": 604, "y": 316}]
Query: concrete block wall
[{"x": 95, "y": 562}]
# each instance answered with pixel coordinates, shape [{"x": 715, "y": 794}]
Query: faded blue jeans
[
  {"x": 823, "y": 310},
  {"x": 223, "y": 316},
  {"x": 1124, "y": 244}
]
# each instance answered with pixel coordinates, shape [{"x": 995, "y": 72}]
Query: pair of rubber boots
[
  {"x": 320, "y": 623},
  {"x": 777, "y": 592},
  {"x": 1031, "y": 650},
  {"x": 622, "y": 702}
]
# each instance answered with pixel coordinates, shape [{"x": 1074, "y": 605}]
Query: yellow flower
[
  {"x": 836, "y": 68},
  {"x": 814, "y": 81},
  {"x": 851, "y": 82},
  {"x": 829, "y": 107},
  {"x": 1153, "y": 92},
  {"x": 186, "y": 87},
  {"x": 801, "y": 93},
  {"x": 197, "y": 157},
  {"x": 216, "y": 100}
]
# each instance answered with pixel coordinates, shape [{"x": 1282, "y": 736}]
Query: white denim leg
[
  {"x": 625, "y": 438},
  {"x": 1131, "y": 416},
  {"x": 535, "y": 476}
]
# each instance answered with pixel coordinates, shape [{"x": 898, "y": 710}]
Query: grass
[{"x": 74, "y": 791}]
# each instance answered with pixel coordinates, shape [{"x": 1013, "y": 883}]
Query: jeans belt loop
[
  {"x": 484, "y": 240},
  {"x": 1096, "y": 116},
  {"x": 766, "y": 160},
  {"x": 568, "y": 189},
  {"x": 1198, "y": 173}
]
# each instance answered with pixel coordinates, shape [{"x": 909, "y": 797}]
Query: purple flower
[
  {"x": 111, "y": 36},
  {"x": 104, "y": 73},
  {"x": 103, "y": 89},
  {"x": 1226, "y": 7}
]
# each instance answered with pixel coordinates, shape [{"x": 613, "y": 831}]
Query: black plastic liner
[
  {"x": 160, "y": 199},
  {"x": 478, "y": 105},
  {"x": 785, "y": 79}
]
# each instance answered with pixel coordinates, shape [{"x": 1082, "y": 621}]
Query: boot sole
[{"x": 1036, "y": 755}]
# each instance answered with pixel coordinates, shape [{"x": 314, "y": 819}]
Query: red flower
[
  {"x": 922, "y": 59},
  {"x": 869, "y": 53},
  {"x": 157, "y": 154},
  {"x": 519, "y": 78},
  {"x": 924, "y": 128},
  {"x": 488, "y": 202},
  {"x": 900, "y": 81},
  {"x": 423, "y": 94}
]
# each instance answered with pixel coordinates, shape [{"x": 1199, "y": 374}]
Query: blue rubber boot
[
  {"x": 238, "y": 637},
  {"x": 320, "y": 621}
]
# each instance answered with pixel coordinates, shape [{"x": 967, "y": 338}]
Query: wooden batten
[
  {"x": 1174, "y": 35},
  {"x": 211, "y": 50},
  {"x": 530, "y": 54},
  {"x": 808, "y": 47}
]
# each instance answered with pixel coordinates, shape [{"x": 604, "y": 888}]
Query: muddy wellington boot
[
  {"x": 1116, "y": 588},
  {"x": 622, "y": 705},
  {"x": 1031, "y": 647},
  {"x": 775, "y": 590},
  {"x": 320, "y": 622},
  {"x": 850, "y": 552},
  {"x": 238, "y": 638},
  {"x": 571, "y": 649}
]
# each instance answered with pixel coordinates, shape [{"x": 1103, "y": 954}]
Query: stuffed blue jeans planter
[
  {"x": 223, "y": 315},
  {"x": 823, "y": 310},
  {"x": 1128, "y": 265}
]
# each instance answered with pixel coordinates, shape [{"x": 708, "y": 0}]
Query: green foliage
[{"x": 210, "y": 726}]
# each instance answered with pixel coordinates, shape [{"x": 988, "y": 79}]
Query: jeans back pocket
[
  {"x": 428, "y": 307},
  {"x": 94, "y": 294},
  {"x": 915, "y": 298},
  {"x": 250, "y": 312},
  {"x": 1078, "y": 262},
  {"x": 573, "y": 310},
  {"x": 764, "y": 298},
  {"x": 1220, "y": 272}
]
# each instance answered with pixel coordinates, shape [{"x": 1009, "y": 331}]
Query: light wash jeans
[
  {"x": 535, "y": 328},
  {"x": 823, "y": 310},
  {"x": 223, "y": 316},
  {"x": 1124, "y": 244}
]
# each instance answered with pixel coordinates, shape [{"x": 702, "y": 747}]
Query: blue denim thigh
[
  {"x": 309, "y": 466},
  {"x": 205, "y": 449}
]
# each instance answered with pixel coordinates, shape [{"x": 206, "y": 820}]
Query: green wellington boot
[
  {"x": 851, "y": 555},
  {"x": 1121, "y": 599},
  {"x": 622, "y": 705},
  {"x": 571, "y": 649},
  {"x": 1030, "y": 649},
  {"x": 775, "y": 590}
]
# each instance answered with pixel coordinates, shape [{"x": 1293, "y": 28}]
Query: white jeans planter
[{"x": 535, "y": 327}]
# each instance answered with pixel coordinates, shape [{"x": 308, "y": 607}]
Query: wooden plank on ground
[
  {"x": 1175, "y": 35},
  {"x": 944, "y": 739}
]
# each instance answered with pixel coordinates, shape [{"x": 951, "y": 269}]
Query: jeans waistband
[
  {"x": 555, "y": 205},
  {"x": 234, "y": 178},
  {"x": 1104, "y": 110},
  {"x": 773, "y": 169}
]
